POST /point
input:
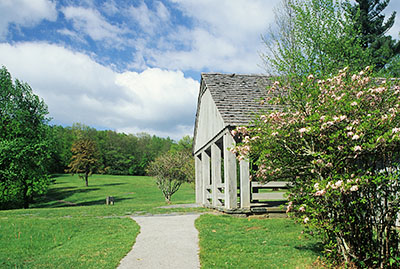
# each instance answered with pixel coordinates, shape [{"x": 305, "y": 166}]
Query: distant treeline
[{"x": 119, "y": 153}]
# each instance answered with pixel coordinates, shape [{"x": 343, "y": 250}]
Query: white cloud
[
  {"x": 77, "y": 89},
  {"x": 25, "y": 13},
  {"x": 226, "y": 36},
  {"x": 149, "y": 20},
  {"x": 92, "y": 23}
]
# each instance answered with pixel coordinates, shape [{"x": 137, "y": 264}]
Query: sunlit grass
[
  {"x": 229, "y": 242},
  {"x": 73, "y": 228}
]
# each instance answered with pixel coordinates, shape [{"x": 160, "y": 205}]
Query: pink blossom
[
  {"x": 275, "y": 134},
  {"x": 357, "y": 148},
  {"x": 329, "y": 165},
  {"x": 354, "y": 188},
  {"x": 354, "y": 104},
  {"x": 359, "y": 94},
  {"x": 339, "y": 183},
  {"x": 304, "y": 130},
  {"x": 234, "y": 132},
  {"x": 320, "y": 193},
  {"x": 350, "y": 134},
  {"x": 302, "y": 209},
  {"x": 355, "y": 137}
]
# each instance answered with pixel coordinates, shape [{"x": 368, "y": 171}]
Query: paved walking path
[{"x": 164, "y": 241}]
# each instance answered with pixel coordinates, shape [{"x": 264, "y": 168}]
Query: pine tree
[{"x": 369, "y": 20}]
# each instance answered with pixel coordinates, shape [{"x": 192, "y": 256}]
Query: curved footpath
[{"x": 164, "y": 241}]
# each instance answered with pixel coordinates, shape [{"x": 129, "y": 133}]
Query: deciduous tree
[
  {"x": 171, "y": 170},
  {"x": 312, "y": 36},
  {"x": 337, "y": 140},
  {"x": 25, "y": 145},
  {"x": 84, "y": 160}
]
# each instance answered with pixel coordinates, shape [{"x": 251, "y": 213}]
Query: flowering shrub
[{"x": 338, "y": 141}]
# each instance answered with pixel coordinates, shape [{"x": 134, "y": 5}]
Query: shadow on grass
[
  {"x": 316, "y": 248},
  {"x": 113, "y": 184},
  {"x": 102, "y": 201},
  {"x": 54, "y": 196}
]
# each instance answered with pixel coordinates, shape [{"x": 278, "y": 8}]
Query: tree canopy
[
  {"x": 323, "y": 36},
  {"x": 25, "y": 143},
  {"x": 173, "y": 168},
  {"x": 84, "y": 159},
  {"x": 368, "y": 19}
]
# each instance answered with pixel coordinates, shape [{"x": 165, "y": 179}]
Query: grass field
[
  {"x": 229, "y": 242},
  {"x": 73, "y": 228}
]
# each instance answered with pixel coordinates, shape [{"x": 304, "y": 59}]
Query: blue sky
[{"x": 131, "y": 66}]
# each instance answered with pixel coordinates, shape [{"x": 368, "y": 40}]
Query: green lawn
[
  {"x": 54, "y": 233},
  {"x": 229, "y": 242},
  {"x": 73, "y": 228}
]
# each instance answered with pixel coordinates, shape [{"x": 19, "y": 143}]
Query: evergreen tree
[{"x": 369, "y": 20}]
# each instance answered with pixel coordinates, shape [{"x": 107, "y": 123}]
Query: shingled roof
[{"x": 236, "y": 96}]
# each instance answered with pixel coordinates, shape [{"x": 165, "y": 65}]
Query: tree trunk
[
  {"x": 26, "y": 197},
  {"x": 86, "y": 179}
]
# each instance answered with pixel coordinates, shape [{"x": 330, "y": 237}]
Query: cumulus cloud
[
  {"x": 77, "y": 89},
  {"x": 226, "y": 36},
  {"x": 90, "y": 22},
  {"x": 25, "y": 13}
]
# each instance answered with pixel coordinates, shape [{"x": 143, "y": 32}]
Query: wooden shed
[{"x": 225, "y": 101}]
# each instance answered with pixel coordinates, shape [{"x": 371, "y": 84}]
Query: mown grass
[
  {"x": 65, "y": 242},
  {"x": 73, "y": 228},
  {"x": 229, "y": 242}
]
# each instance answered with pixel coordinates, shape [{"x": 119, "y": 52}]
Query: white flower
[
  {"x": 354, "y": 188},
  {"x": 306, "y": 219},
  {"x": 357, "y": 148},
  {"x": 304, "y": 130},
  {"x": 320, "y": 193},
  {"x": 338, "y": 183},
  {"x": 355, "y": 137},
  {"x": 395, "y": 130},
  {"x": 354, "y": 104}
]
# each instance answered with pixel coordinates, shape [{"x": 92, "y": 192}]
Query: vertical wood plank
[
  {"x": 199, "y": 179},
  {"x": 205, "y": 161},
  {"x": 230, "y": 175},
  {"x": 215, "y": 173},
  {"x": 244, "y": 184}
]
